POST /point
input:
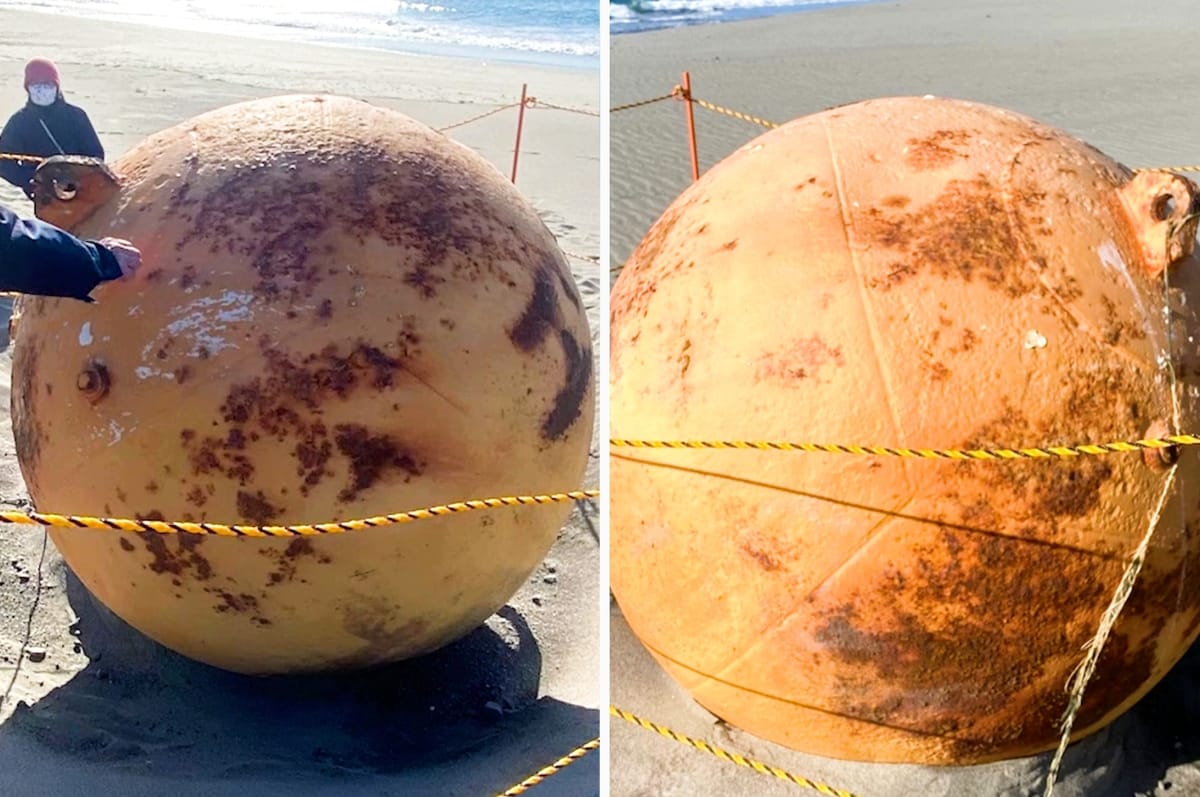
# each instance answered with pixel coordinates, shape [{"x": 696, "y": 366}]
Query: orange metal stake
[
  {"x": 691, "y": 123},
  {"x": 520, "y": 123}
]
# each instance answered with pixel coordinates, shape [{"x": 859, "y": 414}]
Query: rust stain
[
  {"x": 28, "y": 435},
  {"x": 256, "y": 508},
  {"x": 964, "y": 233},
  {"x": 801, "y": 359},
  {"x": 540, "y": 315},
  {"x": 371, "y": 456},
  {"x": 242, "y": 603},
  {"x": 287, "y": 560},
  {"x": 568, "y": 402},
  {"x": 764, "y": 558},
  {"x": 936, "y": 150},
  {"x": 958, "y": 668},
  {"x": 273, "y": 406},
  {"x": 374, "y": 622},
  {"x": 175, "y": 553}
]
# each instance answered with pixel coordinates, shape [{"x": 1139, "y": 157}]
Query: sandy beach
[
  {"x": 1086, "y": 67},
  {"x": 91, "y": 706}
]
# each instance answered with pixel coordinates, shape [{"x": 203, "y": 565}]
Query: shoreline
[
  {"x": 748, "y": 14},
  {"x": 265, "y": 33}
]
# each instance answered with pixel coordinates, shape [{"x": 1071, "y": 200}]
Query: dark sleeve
[
  {"x": 39, "y": 258},
  {"x": 12, "y": 141},
  {"x": 89, "y": 142}
]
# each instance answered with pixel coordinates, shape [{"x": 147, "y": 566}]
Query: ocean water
[
  {"x": 631, "y": 16},
  {"x": 560, "y": 32}
]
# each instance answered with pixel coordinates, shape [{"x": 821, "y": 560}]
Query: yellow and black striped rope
[
  {"x": 557, "y": 766},
  {"x": 221, "y": 530},
  {"x": 1168, "y": 169},
  {"x": 745, "y": 117},
  {"x": 724, "y": 755},
  {"x": 1049, "y": 452}
]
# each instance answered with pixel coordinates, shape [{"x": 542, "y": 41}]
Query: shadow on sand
[{"x": 463, "y": 720}]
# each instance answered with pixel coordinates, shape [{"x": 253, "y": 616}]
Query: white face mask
[{"x": 43, "y": 93}]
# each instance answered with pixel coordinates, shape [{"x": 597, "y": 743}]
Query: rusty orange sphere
[
  {"x": 340, "y": 314},
  {"x": 924, "y": 273}
]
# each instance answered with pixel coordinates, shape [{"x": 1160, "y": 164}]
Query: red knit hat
[{"x": 41, "y": 70}]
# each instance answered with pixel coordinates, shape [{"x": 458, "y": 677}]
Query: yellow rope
[
  {"x": 179, "y": 527},
  {"x": 733, "y": 758},
  {"x": 1050, "y": 452},
  {"x": 588, "y": 258},
  {"x": 535, "y": 102},
  {"x": 12, "y": 156},
  {"x": 477, "y": 117},
  {"x": 557, "y": 766},
  {"x": 735, "y": 114},
  {"x": 1168, "y": 169},
  {"x": 630, "y": 105}
]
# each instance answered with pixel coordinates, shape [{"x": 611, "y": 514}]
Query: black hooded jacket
[{"x": 56, "y": 129}]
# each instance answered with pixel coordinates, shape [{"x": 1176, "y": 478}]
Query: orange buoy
[
  {"x": 340, "y": 313},
  {"x": 924, "y": 273}
]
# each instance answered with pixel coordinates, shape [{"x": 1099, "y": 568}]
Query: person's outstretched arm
[{"x": 39, "y": 258}]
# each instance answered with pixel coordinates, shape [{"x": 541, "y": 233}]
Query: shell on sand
[
  {"x": 924, "y": 273},
  {"x": 341, "y": 313}
]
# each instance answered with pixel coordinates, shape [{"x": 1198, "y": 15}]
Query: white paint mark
[
  {"x": 1110, "y": 258},
  {"x": 203, "y": 320},
  {"x": 85, "y": 334},
  {"x": 1035, "y": 340}
]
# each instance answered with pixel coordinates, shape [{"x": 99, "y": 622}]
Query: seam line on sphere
[
  {"x": 885, "y": 377},
  {"x": 792, "y": 702},
  {"x": 761, "y": 638},
  {"x": 1119, "y": 558}
]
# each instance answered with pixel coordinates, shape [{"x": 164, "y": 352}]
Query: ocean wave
[
  {"x": 462, "y": 26},
  {"x": 627, "y": 15}
]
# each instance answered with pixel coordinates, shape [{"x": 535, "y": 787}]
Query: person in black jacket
[
  {"x": 47, "y": 125},
  {"x": 39, "y": 258}
]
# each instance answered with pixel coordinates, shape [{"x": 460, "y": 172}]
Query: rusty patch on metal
[
  {"x": 568, "y": 402},
  {"x": 175, "y": 553},
  {"x": 271, "y": 405},
  {"x": 956, "y": 668},
  {"x": 936, "y": 150},
  {"x": 370, "y": 457},
  {"x": 803, "y": 358},
  {"x": 962, "y": 234},
  {"x": 27, "y": 432},
  {"x": 256, "y": 508},
  {"x": 288, "y": 559},
  {"x": 540, "y": 315}
]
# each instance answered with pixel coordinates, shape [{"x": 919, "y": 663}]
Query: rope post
[
  {"x": 691, "y": 123},
  {"x": 520, "y": 124}
]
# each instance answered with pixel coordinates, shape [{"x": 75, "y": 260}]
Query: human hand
[{"x": 127, "y": 255}]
